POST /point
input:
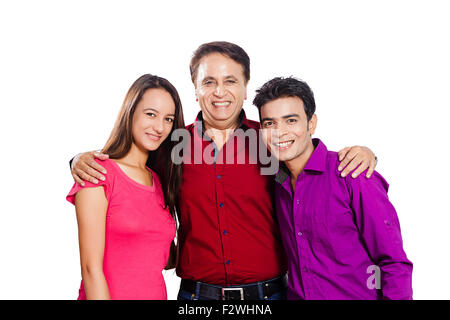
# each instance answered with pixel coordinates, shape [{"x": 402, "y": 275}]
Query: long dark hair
[{"x": 121, "y": 138}]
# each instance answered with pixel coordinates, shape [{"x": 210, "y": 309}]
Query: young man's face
[
  {"x": 221, "y": 88},
  {"x": 286, "y": 130}
]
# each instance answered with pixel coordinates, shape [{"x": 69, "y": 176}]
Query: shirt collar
[
  {"x": 317, "y": 162},
  {"x": 243, "y": 122}
]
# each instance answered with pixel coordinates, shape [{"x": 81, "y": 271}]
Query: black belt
[{"x": 247, "y": 292}]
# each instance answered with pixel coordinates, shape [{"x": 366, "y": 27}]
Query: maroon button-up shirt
[{"x": 228, "y": 233}]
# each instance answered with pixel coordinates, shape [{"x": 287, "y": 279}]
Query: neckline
[{"x": 135, "y": 183}]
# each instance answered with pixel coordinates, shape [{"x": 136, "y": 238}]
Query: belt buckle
[{"x": 241, "y": 291}]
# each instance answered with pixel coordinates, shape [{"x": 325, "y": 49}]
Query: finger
[
  {"x": 87, "y": 156},
  {"x": 94, "y": 165},
  {"x": 371, "y": 169},
  {"x": 80, "y": 163},
  {"x": 343, "y": 153},
  {"x": 101, "y": 156},
  {"x": 83, "y": 175},
  {"x": 362, "y": 167},
  {"x": 77, "y": 180},
  {"x": 93, "y": 173},
  {"x": 348, "y": 157},
  {"x": 344, "y": 163},
  {"x": 351, "y": 166},
  {"x": 353, "y": 159},
  {"x": 353, "y": 152}
]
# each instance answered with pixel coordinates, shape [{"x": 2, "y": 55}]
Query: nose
[
  {"x": 219, "y": 90},
  {"x": 159, "y": 126},
  {"x": 283, "y": 126},
  {"x": 280, "y": 130}
]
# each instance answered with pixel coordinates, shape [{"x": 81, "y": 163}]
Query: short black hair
[
  {"x": 280, "y": 87},
  {"x": 231, "y": 50}
]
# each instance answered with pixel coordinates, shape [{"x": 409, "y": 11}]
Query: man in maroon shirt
[{"x": 230, "y": 246}]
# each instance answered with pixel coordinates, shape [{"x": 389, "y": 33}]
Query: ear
[
  {"x": 196, "y": 93},
  {"x": 312, "y": 124}
]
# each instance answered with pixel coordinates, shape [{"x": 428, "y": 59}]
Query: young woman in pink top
[{"x": 126, "y": 223}]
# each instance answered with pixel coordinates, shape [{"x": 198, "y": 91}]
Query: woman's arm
[{"x": 91, "y": 206}]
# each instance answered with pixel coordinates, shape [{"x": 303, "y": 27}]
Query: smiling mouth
[
  {"x": 221, "y": 103},
  {"x": 153, "y": 137},
  {"x": 284, "y": 145}
]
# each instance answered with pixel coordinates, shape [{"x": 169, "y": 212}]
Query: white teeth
[
  {"x": 221, "y": 104},
  {"x": 284, "y": 144}
]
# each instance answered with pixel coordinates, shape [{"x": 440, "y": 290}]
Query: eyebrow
[
  {"x": 208, "y": 78},
  {"x": 153, "y": 109},
  {"x": 150, "y": 108},
  {"x": 226, "y": 77},
  {"x": 283, "y": 117}
]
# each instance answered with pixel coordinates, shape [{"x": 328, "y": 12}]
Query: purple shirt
[{"x": 340, "y": 234}]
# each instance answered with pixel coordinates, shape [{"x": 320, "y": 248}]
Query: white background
[{"x": 379, "y": 69}]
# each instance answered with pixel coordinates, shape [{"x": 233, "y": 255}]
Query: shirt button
[
  {"x": 298, "y": 201},
  {"x": 218, "y": 176},
  {"x": 300, "y": 234},
  {"x": 221, "y": 204},
  {"x": 225, "y": 232},
  {"x": 305, "y": 269},
  {"x": 228, "y": 261}
]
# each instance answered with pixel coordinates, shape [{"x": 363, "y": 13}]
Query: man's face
[
  {"x": 286, "y": 130},
  {"x": 221, "y": 88}
]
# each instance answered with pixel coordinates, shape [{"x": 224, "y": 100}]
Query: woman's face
[{"x": 153, "y": 119}]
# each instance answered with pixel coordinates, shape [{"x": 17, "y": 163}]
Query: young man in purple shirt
[{"x": 341, "y": 235}]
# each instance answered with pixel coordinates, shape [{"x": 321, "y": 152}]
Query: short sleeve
[{"x": 107, "y": 185}]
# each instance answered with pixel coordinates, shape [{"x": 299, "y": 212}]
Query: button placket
[
  {"x": 223, "y": 227},
  {"x": 299, "y": 225}
]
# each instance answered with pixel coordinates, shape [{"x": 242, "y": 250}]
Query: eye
[
  {"x": 151, "y": 114},
  {"x": 170, "y": 120},
  {"x": 230, "y": 81},
  {"x": 208, "y": 82},
  {"x": 292, "y": 120},
  {"x": 267, "y": 124}
]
